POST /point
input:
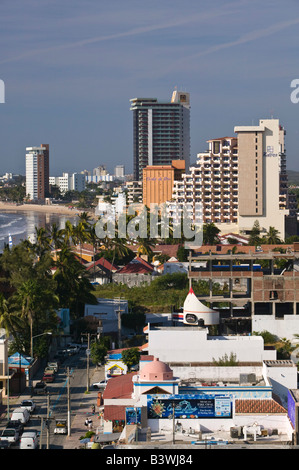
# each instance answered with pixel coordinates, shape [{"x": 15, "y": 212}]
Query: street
[{"x": 54, "y": 405}]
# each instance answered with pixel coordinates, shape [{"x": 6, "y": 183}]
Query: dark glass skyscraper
[{"x": 161, "y": 131}]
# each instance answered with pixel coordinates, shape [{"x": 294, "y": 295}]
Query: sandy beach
[{"x": 50, "y": 209}]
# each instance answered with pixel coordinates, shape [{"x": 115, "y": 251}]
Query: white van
[
  {"x": 20, "y": 414},
  {"x": 29, "y": 440}
]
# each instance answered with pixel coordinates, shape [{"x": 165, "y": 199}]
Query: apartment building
[
  {"x": 210, "y": 188},
  {"x": 263, "y": 188},
  {"x": 161, "y": 131},
  {"x": 37, "y": 172},
  {"x": 67, "y": 182}
]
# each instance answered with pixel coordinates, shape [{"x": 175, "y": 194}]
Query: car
[
  {"x": 53, "y": 365},
  {"x": 40, "y": 388},
  {"x": 29, "y": 440},
  {"x": 101, "y": 384},
  {"x": 61, "y": 426},
  {"x": 48, "y": 376},
  {"x": 29, "y": 405},
  {"x": 49, "y": 369},
  {"x": 10, "y": 434},
  {"x": 5, "y": 444},
  {"x": 15, "y": 424}
]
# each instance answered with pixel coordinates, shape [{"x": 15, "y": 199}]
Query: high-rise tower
[
  {"x": 161, "y": 131},
  {"x": 37, "y": 172}
]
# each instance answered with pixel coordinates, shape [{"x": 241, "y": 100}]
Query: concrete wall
[
  {"x": 212, "y": 425},
  {"x": 188, "y": 344},
  {"x": 215, "y": 374},
  {"x": 283, "y": 328}
]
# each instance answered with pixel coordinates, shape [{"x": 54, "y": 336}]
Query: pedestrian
[
  {"x": 93, "y": 408},
  {"x": 86, "y": 422},
  {"x": 89, "y": 423}
]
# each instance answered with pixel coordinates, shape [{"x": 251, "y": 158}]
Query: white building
[
  {"x": 37, "y": 172},
  {"x": 119, "y": 171},
  {"x": 69, "y": 182},
  {"x": 209, "y": 190},
  {"x": 263, "y": 193}
]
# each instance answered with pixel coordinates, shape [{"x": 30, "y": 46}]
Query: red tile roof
[
  {"x": 255, "y": 406},
  {"x": 115, "y": 412},
  {"x": 119, "y": 387},
  {"x": 169, "y": 250},
  {"x": 137, "y": 266},
  {"x": 104, "y": 263}
]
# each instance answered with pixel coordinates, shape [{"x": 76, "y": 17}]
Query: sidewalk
[
  {"x": 78, "y": 416},
  {"x": 78, "y": 428}
]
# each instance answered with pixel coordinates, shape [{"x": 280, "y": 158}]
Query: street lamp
[{"x": 31, "y": 347}]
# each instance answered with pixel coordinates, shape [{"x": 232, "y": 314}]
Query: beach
[{"x": 46, "y": 208}]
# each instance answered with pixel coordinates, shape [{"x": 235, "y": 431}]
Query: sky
[{"x": 70, "y": 69}]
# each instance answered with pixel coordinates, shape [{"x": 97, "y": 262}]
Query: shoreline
[{"x": 49, "y": 209}]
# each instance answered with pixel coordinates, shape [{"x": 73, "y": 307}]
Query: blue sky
[{"x": 70, "y": 69}]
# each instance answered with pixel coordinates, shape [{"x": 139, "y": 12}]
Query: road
[{"x": 55, "y": 403}]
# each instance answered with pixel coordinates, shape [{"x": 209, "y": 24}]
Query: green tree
[
  {"x": 255, "y": 238},
  {"x": 210, "y": 234},
  {"x": 130, "y": 357},
  {"x": 98, "y": 352}
]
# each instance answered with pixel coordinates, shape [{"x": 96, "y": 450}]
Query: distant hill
[{"x": 293, "y": 177}]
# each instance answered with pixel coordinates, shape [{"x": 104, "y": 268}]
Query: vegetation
[
  {"x": 226, "y": 361},
  {"x": 130, "y": 357}
]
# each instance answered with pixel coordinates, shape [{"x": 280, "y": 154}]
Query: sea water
[{"x": 21, "y": 225}]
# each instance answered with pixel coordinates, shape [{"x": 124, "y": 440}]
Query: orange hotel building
[{"x": 158, "y": 181}]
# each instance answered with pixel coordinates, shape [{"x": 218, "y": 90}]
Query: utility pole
[
  {"x": 41, "y": 432},
  {"x": 48, "y": 421},
  {"x": 68, "y": 403},
  {"x": 87, "y": 358}
]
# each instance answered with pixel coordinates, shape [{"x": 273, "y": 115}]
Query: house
[
  {"x": 100, "y": 271},
  {"x": 135, "y": 273}
]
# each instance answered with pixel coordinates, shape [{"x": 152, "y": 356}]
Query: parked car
[
  {"x": 60, "y": 426},
  {"x": 15, "y": 425},
  {"x": 53, "y": 365},
  {"x": 20, "y": 414},
  {"x": 72, "y": 349},
  {"x": 40, "y": 388},
  {"x": 101, "y": 384},
  {"x": 48, "y": 376},
  {"x": 11, "y": 435},
  {"x": 5, "y": 444},
  {"x": 29, "y": 440},
  {"x": 49, "y": 369},
  {"x": 29, "y": 405}
]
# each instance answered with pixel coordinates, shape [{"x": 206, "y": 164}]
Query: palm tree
[
  {"x": 29, "y": 294},
  {"x": 80, "y": 234},
  {"x": 67, "y": 232},
  {"x": 73, "y": 287},
  {"x": 56, "y": 236},
  {"x": 144, "y": 247},
  {"x": 9, "y": 320},
  {"x": 42, "y": 241},
  {"x": 272, "y": 237}
]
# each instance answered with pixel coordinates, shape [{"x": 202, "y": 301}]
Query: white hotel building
[{"x": 240, "y": 180}]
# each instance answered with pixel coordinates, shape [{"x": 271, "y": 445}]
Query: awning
[{"x": 109, "y": 437}]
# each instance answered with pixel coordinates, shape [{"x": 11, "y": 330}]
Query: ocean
[{"x": 21, "y": 225}]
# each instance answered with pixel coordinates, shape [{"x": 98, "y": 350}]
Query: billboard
[
  {"x": 133, "y": 415},
  {"x": 189, "y": 406}
]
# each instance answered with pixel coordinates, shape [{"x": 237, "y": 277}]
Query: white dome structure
[{"x": 196, "y": 312}]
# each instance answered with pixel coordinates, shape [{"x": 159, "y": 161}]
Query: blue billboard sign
[
  {"x": 133, "y": 415},
  {"x": 189, "y": 406}
]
